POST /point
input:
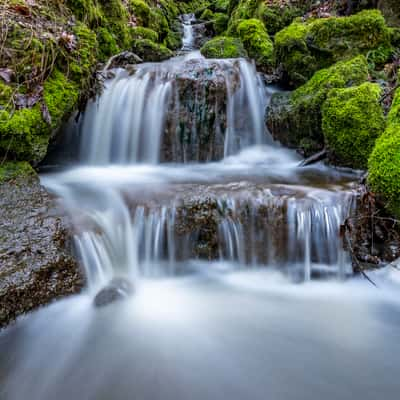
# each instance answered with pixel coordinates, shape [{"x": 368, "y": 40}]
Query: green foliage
[
  {"x": 352, "y": 119},
  {"x": 223, "y": 47},
  {"x": 256, "y": 41},
  {"x": 150, "y": 51},
  {"x": 384, "y": 162},
  {"x": 13, "y": 170},
  {"x": 305, "y": 47}
]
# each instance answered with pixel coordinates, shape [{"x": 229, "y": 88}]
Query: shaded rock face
[
  {"x": 36, "y": 265},
  {"x": 196, "y": 121}
]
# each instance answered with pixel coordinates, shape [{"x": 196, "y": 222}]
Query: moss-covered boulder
[
  {"x": 223, "y": 47},
  {"x": 147, "y": 50},
  {"x": 305, "y": 47},
  {"x": 352, "y": 119},
  {"x": 256, "y": 41},
  {"x": 295, "y": 118},
  {"x": 384, "y": 162},
  {"x": 139, "y": 32}
]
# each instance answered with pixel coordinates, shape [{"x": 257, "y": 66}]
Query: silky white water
[{"x": 234, "y": 251}]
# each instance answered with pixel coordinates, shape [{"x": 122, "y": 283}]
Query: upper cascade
[{"x": 188, "y": 108}]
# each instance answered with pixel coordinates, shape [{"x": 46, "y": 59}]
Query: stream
[{"x": 226, "y": 253}]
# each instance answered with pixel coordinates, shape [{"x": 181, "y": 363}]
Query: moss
[
  {"x": 305, "y": 47},
  {"x": 6, "y": 93},
  {"x": 84, "y": 58},
  {"x": 352, "y": 119},
  {"x": 384, "y": 162},
  {"x": 13, "y": 170},
  {"x": 150, "y": 51},
  {"x": 221, "y": 5},
  {"x": 107, "y": 44},
  {"x": 220, "y": 23},
  {"x": 277, "y": 16},
  {"x": 24, "y": 135},
  {"x": 87, "y": 11},
  {"x": 140, "y": 32},
  {"x": 61, "y": 97},
  {"x": 256, "y": 41},
  {"x": 295, "y": 119},
  {"x": 223, "y": 47},
  {"x": 141, "y": 11},
  {"x": 207, "y": 15}
]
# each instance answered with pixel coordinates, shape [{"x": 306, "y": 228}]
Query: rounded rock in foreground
[{"x": 118, "y": 289}]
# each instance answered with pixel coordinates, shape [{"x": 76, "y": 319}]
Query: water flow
[{"x": 188, "y": 36}]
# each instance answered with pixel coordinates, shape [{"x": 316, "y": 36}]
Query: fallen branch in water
[{"x": 321, "y": 155}]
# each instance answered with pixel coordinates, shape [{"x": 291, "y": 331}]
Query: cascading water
[
  {"x": 219, "y": 327},
  {"x": 188, "y": 35}
]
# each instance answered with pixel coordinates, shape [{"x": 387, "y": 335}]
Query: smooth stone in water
[{"x": 118, "y": 289}]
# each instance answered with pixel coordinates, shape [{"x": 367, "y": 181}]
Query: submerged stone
[{"x": 118, "y": 289}]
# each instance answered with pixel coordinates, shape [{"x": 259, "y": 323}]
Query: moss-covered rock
[
  {"x": 10, "y": 170},
  {"x": 305, "y": 47},
  {"x": 276, "y": 15},
  {"x": 352, "y": 119},
  {"x": 147, "y": 50},
  {"x": 107, "y": 43},
  {"x": 384, "y": 162},
  {"x": 223, "y": 47},
  {"x": 140, "y": 11},
  {"x": 295, "y": 118},
  {"x": 256, "y": 41},
  {"x": 140, "y": 32},
  {"x": 220, "y": 23}
]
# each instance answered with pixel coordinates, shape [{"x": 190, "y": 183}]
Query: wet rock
[
  {"x": 36, "y": 265},
  {"x": 117, "y": 289},
  {"x": 196, "y": 122}
]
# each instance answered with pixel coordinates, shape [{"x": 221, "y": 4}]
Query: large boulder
[
  {"x": 305, "y": 47},
  {"x": 36, "y": 265},
  {"x": 352, "y": 119},
  {"x": 295, "y": 118}
]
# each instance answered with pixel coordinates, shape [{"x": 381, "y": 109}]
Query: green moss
[
  {"x": 384, "y": 162},
  {"x": 303, "y": 48},
  {"x": 207, "y": 15},
  {"x": 221, "y": 5},
  {"x": 140, "y": 32},
  {"x": 61, "y": 97},
  {"x": 24, "y": 135},
  {"x": 141, "y": 11},
  {"x": 107, "y": 44},
  {"x": 223, "y": 47},
  {"x": 277, "y": 16},
  {"x": 297, "y": 118},
  {"x": 87, "y": 11},
  {"x": 256, "y": 41},
  {"x": 84, "y": 58},
  {"x": 150, "y": 51},
  {"x": 6, "y": 93},
  {"x": 220, "y": 23},
  {"x": 15, "y": 170},
  {"x": 352, "y": 119}
]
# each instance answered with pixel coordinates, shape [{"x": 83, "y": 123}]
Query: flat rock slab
[{"x": 36, "y": 264}]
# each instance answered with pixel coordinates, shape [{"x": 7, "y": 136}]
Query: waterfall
[{"x": 188, "y": 37}]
